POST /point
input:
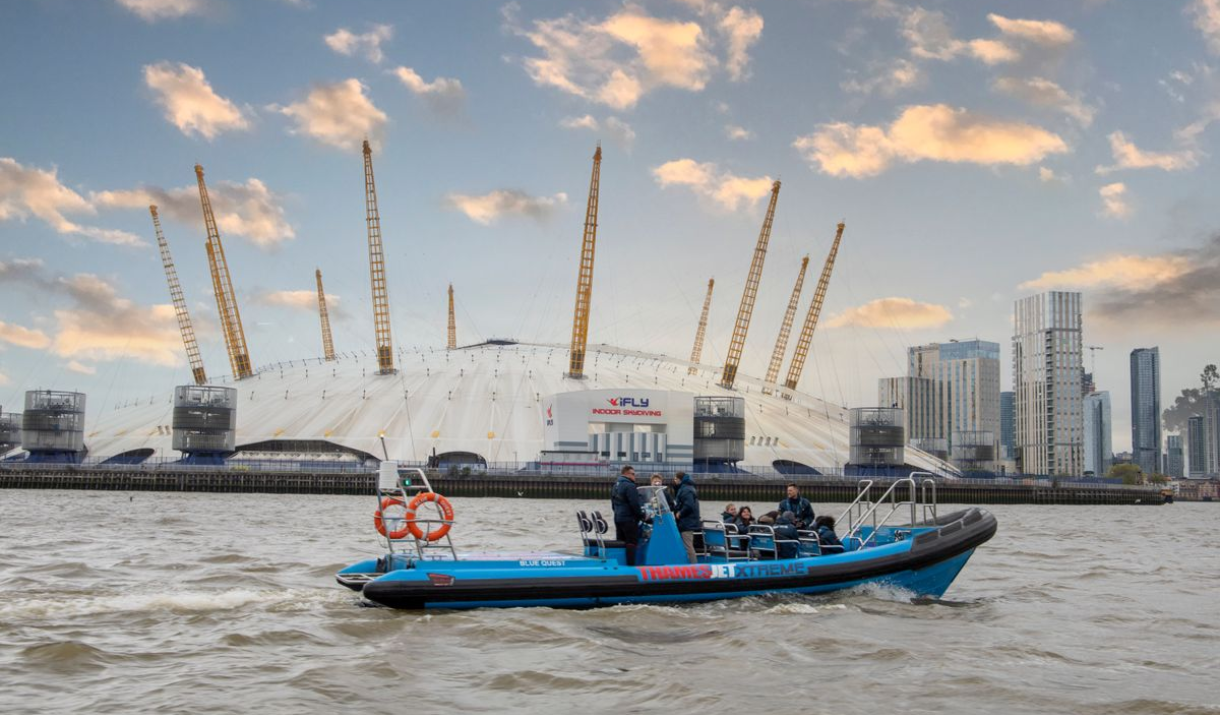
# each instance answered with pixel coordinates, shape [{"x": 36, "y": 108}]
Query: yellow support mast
[
  {"x": 328, "y": 343},
  {"x": 175, "y": 294},
  {"x": 222, "y": 285},
  {"x": 696, "y": 352},
  {"x": 785, "y": 330},
  {"x": 584, "y": 285},
  {"x": 811, "y": 318},
  {"x": 452, "y": 344},
  {"x": 749, "y": 295},
  {"x": 381, "y": 298}
]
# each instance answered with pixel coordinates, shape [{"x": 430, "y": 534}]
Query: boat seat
[
  {"x": 608, "y": 544},
  {"x": 765, "y": 545},
  {"x": 586, "y": 524},
  {"x": 599, "y": 522},
  {"x": 722, "y": 540}
]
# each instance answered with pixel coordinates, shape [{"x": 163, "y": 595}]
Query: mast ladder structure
[
  {"x": 748, "y": 296},
  {"x": 584, "y": 283},
  {"x": 175, "y": 293},
  {"x": 381, "y": 298},
  {"x": 811, "y": 318},
  {"x": 452, "y": 343},
  {"x": 696, "y": 352},
  {"x": 785, "y": 330},
  {"x": 222, "y": 286},
  {"x": 328, "y": 343}
]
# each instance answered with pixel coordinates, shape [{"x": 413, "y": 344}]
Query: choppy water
[{"x": 217, "y": 603}]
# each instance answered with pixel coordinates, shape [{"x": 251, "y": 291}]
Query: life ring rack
[{"x": 409, "y": 522}]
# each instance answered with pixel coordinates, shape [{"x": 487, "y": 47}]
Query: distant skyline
[{"x": 978, "y": 153}]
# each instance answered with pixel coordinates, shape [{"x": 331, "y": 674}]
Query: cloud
[
  {"x": 189, "y": 101},
  {"x": 926, "y": 132},
  {"x": 348, "y": 43},
  {"x": 1129, "y": 272},
  {"x": 899, "y": 75},
  {"x": 929, "y": 36},
  {"x": 1179, "y": 290},
  {"x": 617, "y": 60},
  {"x": 153, "y": 10},
  {"x": 95, "y": 323},
  {"x": 709, "y": 181},
  {"x": 489, "y": 207},
  {"x": 617, "y": 130},
  {"x": 736, "y": 133},
  {"x": 306, "y": 300},
  {"x": 1207, "y": 21},
  {"x": 741, "y": 28},
  {"x": 893, "y": 313},
  {"x": 443, "y": 95},
  {"x": 1128, "y": 156},
  {"x": 1114, "y": 200},
  {"x": 1046, "y": 33},
  {"x": 23, "y": 337},
  {"x": 248, "y": 210},
  {"x": 81, "y": 368},
  {"x": 1046, "y": 175},
  {"x": 1042, "y": 92},
  {"x": 337, "y": 114},
  {"x": 28, "y": 191}
]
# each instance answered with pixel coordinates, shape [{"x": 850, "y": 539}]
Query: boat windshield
[{"x": 654, "y": 499}]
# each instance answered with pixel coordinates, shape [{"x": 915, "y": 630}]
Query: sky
[{"x": 977, "y": 151}]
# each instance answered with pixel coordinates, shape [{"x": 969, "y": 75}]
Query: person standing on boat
[
  {"x": 658, "y": 481},
  {"x": 686, "y": 513},
  {"x": 800, "y": 507},
  {"x": 628, "y": 511}
]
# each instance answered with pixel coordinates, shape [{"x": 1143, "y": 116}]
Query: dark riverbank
[{"x": 712, "y": 487}]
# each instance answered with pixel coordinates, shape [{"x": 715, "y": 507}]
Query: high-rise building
[
  {"x": 950, "y": 389},
  {"x": 1146, "y": 408},
  {"x": 1098, "y": 450},
  {"x": 1047, "y": 370},
  {"x": 1087, "y": 385},
  {"x": 1196, "y": 447},
  {"x": 1008, "y": 425},
  {"x": 1174, "y": 459}
]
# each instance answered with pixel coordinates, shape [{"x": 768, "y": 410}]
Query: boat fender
[
  {"x": 446, "y": 515},
  {"x": 379, "y": 523}
]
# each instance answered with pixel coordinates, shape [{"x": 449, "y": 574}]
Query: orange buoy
[
  {"x": 446, "y": 514},
  {"x": 379, "y": 522}
]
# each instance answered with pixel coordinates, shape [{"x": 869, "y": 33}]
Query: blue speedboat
[{"x": 422, "y": 569}]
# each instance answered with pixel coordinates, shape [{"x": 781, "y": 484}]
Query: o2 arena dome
[{"x": 528, "y": 406}]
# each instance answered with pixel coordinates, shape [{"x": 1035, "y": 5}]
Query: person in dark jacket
[
  {"x": 657, "y": 480},
  {"x": 825, "y": 526},
  {"x": 686, "y": 512},
  {"x": 729, "y": 515},
  {"x": 628, "y": 511},
  {"x": 744, "y": 520},
  {"x": 785, "y": 529},
  {"x": 800, "y": 507}
]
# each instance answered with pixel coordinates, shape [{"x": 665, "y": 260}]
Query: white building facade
[{"x": 1048, "y": 367}]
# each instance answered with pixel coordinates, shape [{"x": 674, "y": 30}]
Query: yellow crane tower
[
  {"x": 785, "y": 330},
  {"x": 175, "y": 294},
  {"x": 452, "y": 344},
  {"x": 811, "y": 318},
  {"x": 696, "y": 352},
  {"x": 749, "y": 295},
  {"x": 584, "y": 285},
  {"x": 381, "y": 298},
  {"x": 328, "y": 344},
  {"x": 222, "y": 285}
]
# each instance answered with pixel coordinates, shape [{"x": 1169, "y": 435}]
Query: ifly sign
[{"x": 628, "y": 402}]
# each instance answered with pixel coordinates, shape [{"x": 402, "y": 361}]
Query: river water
[{"x": 117, "y": 602}]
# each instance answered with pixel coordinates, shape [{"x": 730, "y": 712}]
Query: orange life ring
[
  {"x": 387, "y": 502},
  {"x": 446, "y": 514}
]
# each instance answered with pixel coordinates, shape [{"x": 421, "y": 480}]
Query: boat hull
[{"x": 924, "y": 565}]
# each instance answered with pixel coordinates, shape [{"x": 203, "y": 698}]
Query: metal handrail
[{"x": 918, "y": 496}]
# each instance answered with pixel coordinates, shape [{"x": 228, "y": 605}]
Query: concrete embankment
[{"x": 712, "y": 488}]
